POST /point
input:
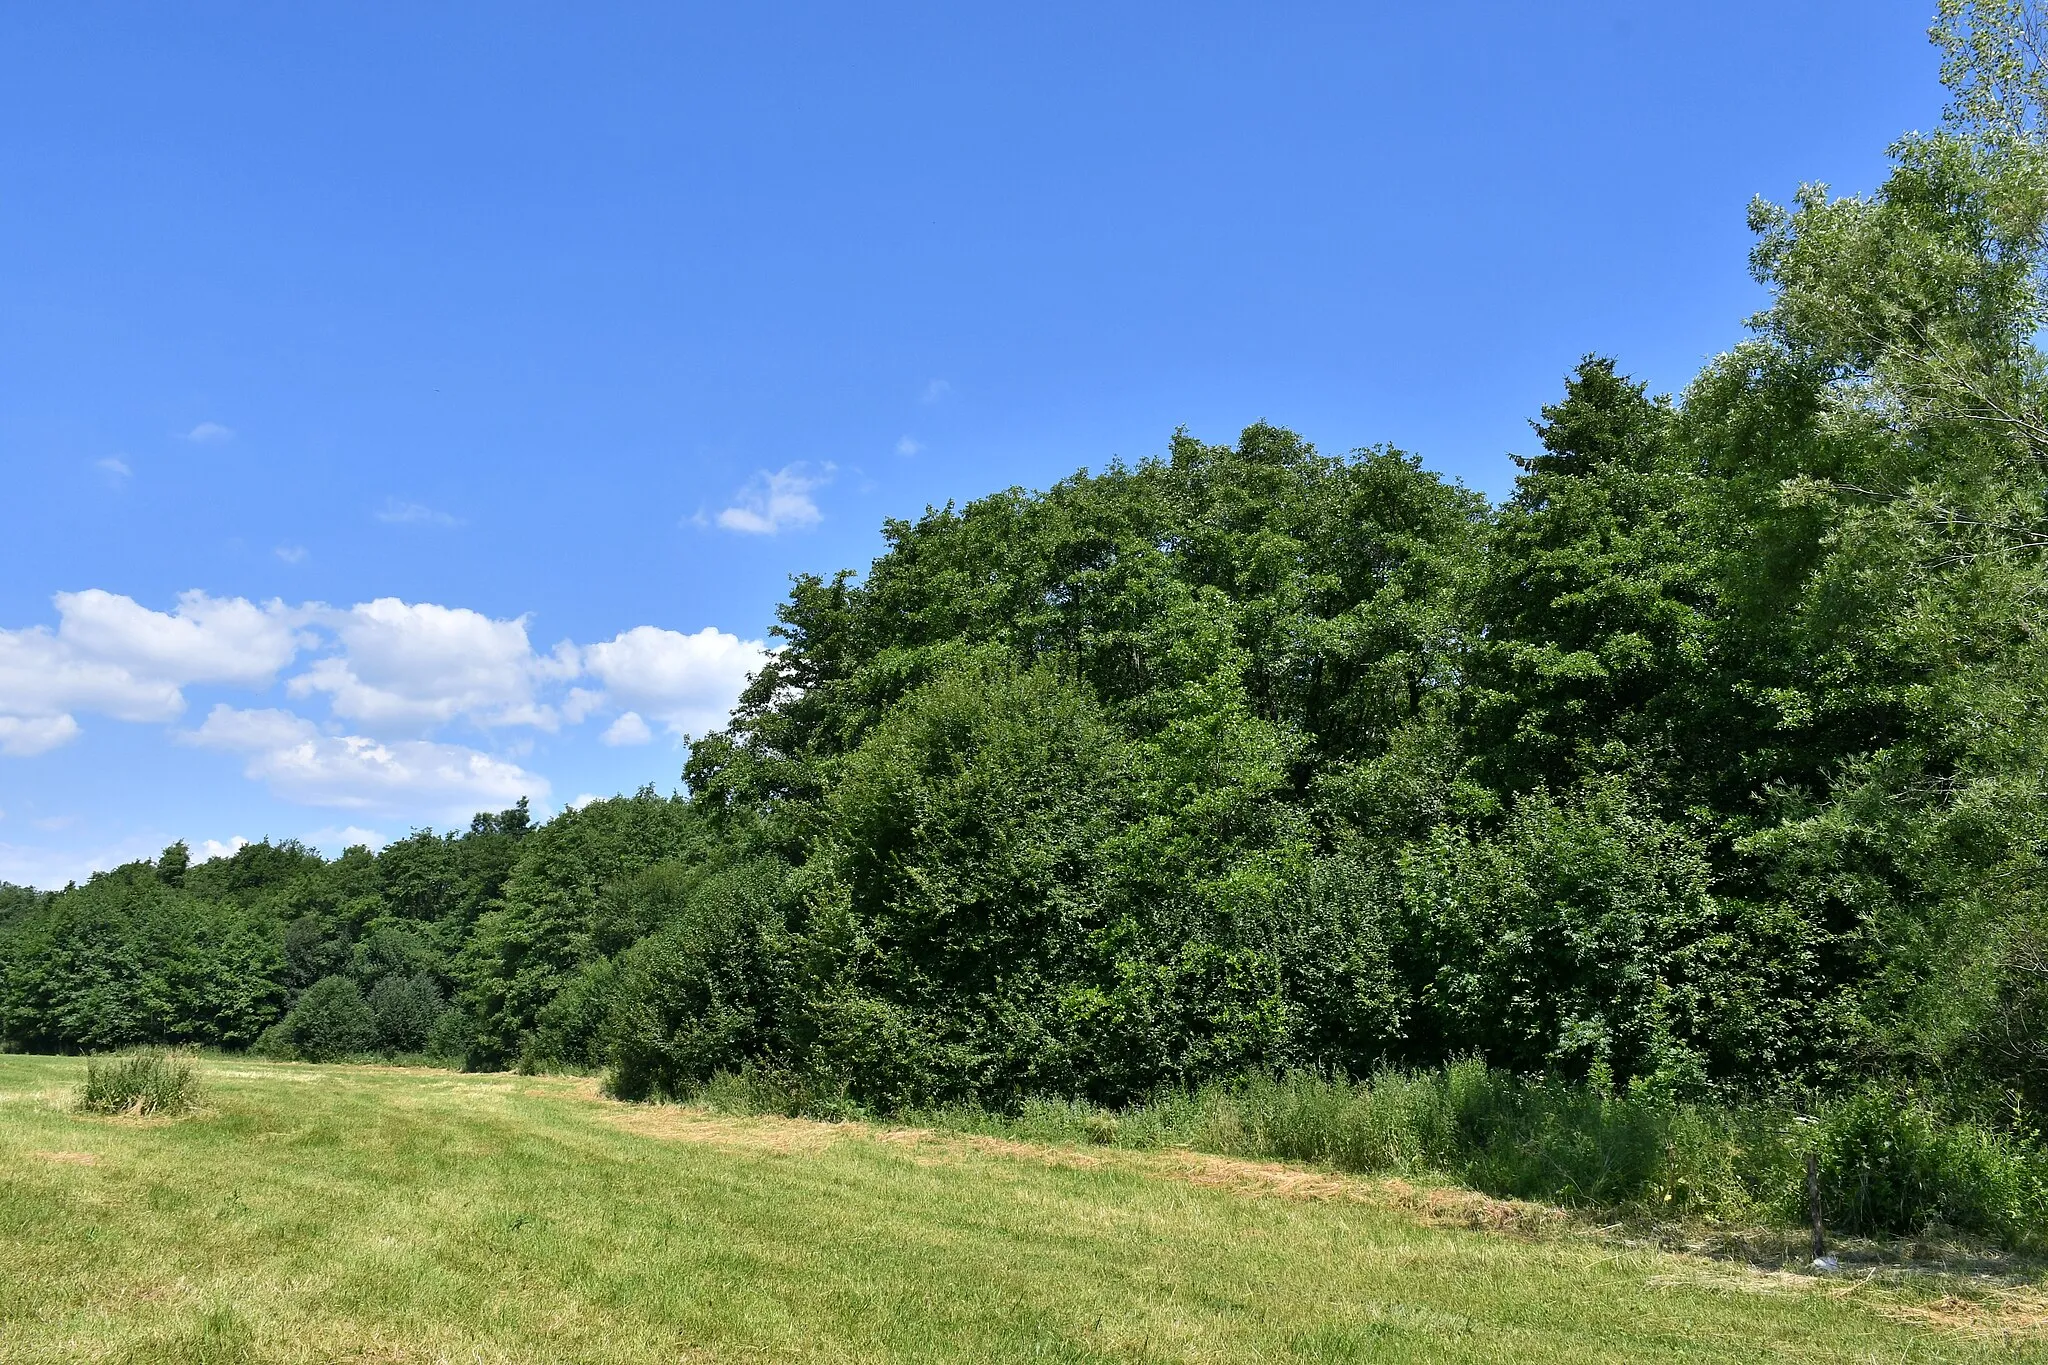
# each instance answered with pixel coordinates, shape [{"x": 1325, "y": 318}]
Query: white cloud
[
  {"x": 688, "y": 682},
  {"x": 418, "y": 665},
  {"x": 399, "y": 513},
  {"x": 580, "y": 703},
  {"x": 114, "y": 471},
  {"x": 51, "y": 868},
  {"x": 935, "y": 390},
  {"x": 626, "y": 730},
  {"x": 112, "y": 656},
  {"x": 41, "y": 675},
  {"x": 206, "y": 639},
  {"x": 206, "y": 850},
  {"x": 26, "y": 736},
  {"x": 332, "y": 840},
  {"x": 583, "y": 799},
  {"x": 291, "y": 554},
  {"x": 909, "y": 445},
  {"x": 391, "y": 673},
  {"x": 210, "y": 433},
  {"x": 778, "y": 501},
  {"x": 290, "y": 756}
]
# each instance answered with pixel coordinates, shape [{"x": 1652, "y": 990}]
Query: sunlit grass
[
  {"x": 340, "y": 1213},
  {"x": 153, "y": 1082}
]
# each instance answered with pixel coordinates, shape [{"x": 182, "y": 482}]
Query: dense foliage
[{"x": 1711, "y": 759}]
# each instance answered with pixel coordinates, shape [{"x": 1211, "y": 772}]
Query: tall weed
[{"x": 148, "y": 1082}]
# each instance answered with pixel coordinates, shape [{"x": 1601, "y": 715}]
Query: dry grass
[
  {"x": 73, "y": 1158},
  {"x": 2010, "y": 1315}
]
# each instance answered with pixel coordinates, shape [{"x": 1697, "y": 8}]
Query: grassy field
[{"x": 348, "y": 1213}]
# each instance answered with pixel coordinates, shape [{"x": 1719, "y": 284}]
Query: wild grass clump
[{"x": 147, "y": 1083}]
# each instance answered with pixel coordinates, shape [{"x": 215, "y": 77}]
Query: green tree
[
  {"x": 172, "y": 863},
  {"x": 522, "y": 954}
]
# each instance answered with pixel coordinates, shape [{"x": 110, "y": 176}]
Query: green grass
[
  {"x": 148, "y": 1081},
  {"x": 348, "y": 1213}
]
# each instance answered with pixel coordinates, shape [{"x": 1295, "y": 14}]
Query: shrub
[
  {"x": 331, "y": 1020},
  {"x": 698, "y": 997},
  {"x": 147, "y": 1082},
  {"x": 1889, "y": 1165},
  {"x": 275, "y": 1043},
  {"x": 1583, "y": 932},
  {"x": 405, "y": 1010},
  {"x": 964, "y": 881},
  {"x": 570, "y": 1029},
  {"x": 449, "y": 1039}
]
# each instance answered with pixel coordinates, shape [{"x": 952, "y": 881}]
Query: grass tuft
[{"x": 147, "y": 1083}]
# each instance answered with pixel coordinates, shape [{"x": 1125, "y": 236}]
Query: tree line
[{"x": 1712, "y": 758}]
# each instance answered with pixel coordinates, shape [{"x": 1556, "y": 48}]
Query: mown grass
[
  {"x": 350, "y": 1213},
  {"x": 1890, "y": 1164}
]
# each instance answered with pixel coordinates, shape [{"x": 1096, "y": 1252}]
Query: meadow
[{"x": 321, "y": 1213}]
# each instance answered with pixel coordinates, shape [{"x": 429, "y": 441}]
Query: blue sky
[{"x": 403, "y": 407}]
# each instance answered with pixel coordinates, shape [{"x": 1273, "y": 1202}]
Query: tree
[
  {"x": 1594, "y": 654},
  {"x": 171, "y": 864}
]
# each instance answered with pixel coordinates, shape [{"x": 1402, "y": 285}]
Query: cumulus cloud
[
  {"x": 112, "y": 656},
  {"x": 210, "y": 433},
  {"x": 114, "y": 471},
  {"x": 26, "y": 736},
  {"x": 396, "y": 512},
  {"x": 581, "y": 703},
  {"x": 332, "y": 840},
  {"x": 42, "y": 678},
  {"x": 206, "y": 850},
  {"x": 935, "y": 391},
  {"x": 205, "y": 639},
  {"x": 387, "y": 677},
  {"x": 292, "y": 554},
  {"x": 298, "y": 763},
  {"x": 50, "y": 868},
  {"x": 908, "y": 446},
  {"x": 628, "y": 729},
  {"x": 417, "y": 665},
  {"x": 778, "y": 501},
  {"x": 687, "y": 682}
]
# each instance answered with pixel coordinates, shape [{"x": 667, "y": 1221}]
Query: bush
[
  {"x": 1584, "y": 932},
  {"x": 953, "y": 939},
  {"x": 698, "y": 997},
  {"x": 148, "y": 1082},
  {"x": 331, "y": 1020},
  {"x": 1889, "y": 1165},
  {"x": 449, "y": 1039},
  {"x": 275, "y": 1043},
  {"x": 405, "y": 1010},
  {"x": 570, "y": 1029}
]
